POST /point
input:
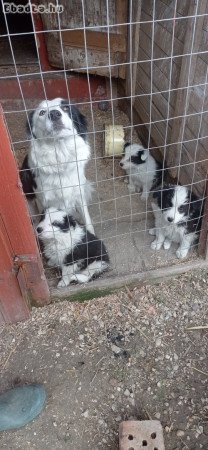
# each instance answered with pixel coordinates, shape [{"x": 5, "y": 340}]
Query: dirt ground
[{"x": 126, "y": 356}]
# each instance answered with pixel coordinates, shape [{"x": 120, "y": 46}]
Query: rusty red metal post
[{"x": 19, "y": 258}]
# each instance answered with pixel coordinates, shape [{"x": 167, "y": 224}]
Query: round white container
[{"x": 114, "y": 140}]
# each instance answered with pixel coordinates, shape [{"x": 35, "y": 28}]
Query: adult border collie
[
  {"x": 144, "y": 172},
  {"x": 79, "y": 253},
  {"x": 53, "y": 172},
  {"x": 177, "y": 214}
]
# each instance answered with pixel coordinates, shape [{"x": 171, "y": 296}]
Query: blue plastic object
[{"x": 20, "y": 405}]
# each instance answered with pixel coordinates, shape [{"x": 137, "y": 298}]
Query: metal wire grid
[{"x": 117, "y": 236}]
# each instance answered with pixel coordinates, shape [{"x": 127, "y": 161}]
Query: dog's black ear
[
  {"x": 27, "y": 179},
  {"x": 157, "y": 193},
  {"x": 71, "y": 221},
  {"x": 126, "y": 144},
  {"x": 80, "y": 121},
  {"x": 29, "y": 124}
]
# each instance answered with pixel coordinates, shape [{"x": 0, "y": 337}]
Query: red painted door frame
[{"x": 22, "y": 279}]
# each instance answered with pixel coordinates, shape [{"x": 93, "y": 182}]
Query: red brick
[{"x": 141, "y": 435}]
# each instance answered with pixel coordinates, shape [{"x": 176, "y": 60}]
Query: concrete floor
[{"x": 122, "y": 220}]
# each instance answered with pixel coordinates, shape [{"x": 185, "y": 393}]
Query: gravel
[{"x": 126, "y": 356}]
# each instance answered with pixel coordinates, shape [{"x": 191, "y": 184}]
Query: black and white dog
[
  {"x": 67, "y": 244},
  {"x": 177, "y": 214},
  {"x": 143, "y": 171},
  {"x": 54, "y": 170}
]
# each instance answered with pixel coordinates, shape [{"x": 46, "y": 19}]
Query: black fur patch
[
  {"x": 68, "y": 221},
  {"x": 79, "y": 120},
  {"x": 27, "y": 178},
  {"x": 158, "y": 175},
  {"x": 164, "y": 196},
  {"x": 29, "y": 125},
  {"x": 194, "y": 217},
  {"x": 88, "y": 250},
  {"x": 137, "y": 159}
]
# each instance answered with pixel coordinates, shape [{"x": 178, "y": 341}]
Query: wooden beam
[
  {"x": 133, "y": 49},
  {"x": 173, "y": 152},
  {"x": 94, "y": 40}
]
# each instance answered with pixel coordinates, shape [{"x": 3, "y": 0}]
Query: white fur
[
  {"x": 58, "y": 158},
  {"x": 167, "y": 232},
  {"x": 58, "y": 244},
  {"x": 141, "y": 176}
]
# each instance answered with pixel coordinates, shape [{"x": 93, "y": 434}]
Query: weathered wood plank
[
  {"x": 133, "y": 48},
  {"x": 178, "y": 126}
]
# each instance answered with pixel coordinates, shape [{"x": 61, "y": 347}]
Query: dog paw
[
  {"x": 62, "y": 283},
  {"x": 79, "y": 278},
  {"x": 181, "y": 253},
  {"x": 144, "y": 198},
  {"x": 155, "y": 245},
  {"x": 131, "y": 189},
  {"x": 167, "y": 244}
]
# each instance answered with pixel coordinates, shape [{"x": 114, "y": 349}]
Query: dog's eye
[
  {"x": 181, "y": 209},
  {"x": 42, "y": 112},
  {"x": 55, "y": 224}
]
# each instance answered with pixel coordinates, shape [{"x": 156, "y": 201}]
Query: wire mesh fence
[{"x": 125, "y": 193}]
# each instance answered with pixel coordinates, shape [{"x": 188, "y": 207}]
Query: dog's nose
[
  {"x": 121, "y": 164},
  {"x": 39, "y": 230},
  {"x": 54, "y": 115},
  {"x": 170, "y": 219}
]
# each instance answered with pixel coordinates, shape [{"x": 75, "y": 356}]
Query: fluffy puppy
[
  {"x": 79, "y": 253},
  {"x": 53, "y": 172},
  {"x": 177, "y": 214},
  {"x": 143, "y": 171}
]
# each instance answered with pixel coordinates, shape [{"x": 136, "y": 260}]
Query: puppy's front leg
[
  {"x": 131, "y": 186},
  {"x": 184, "y": 248},
  {"x": 158, "y": 242},
  {"x": 67, "y": 273}
]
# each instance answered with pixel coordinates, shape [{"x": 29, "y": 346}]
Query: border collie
[
  {"x": 144, "y": 172},
  {"x": 54, "y": 170},
  {"x": 66, "y": 243},
  {"x": 177, "y": 214}
]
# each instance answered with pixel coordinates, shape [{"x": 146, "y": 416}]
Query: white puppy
[
  {"x": 177, "y": 214},
  {"x": 68, "y": 245},
  {"x": 144, "y": 172},
  {"x": 53, "y": 173}
]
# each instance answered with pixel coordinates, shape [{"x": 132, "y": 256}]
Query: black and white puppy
[
  {"x": 53, "y": 172},
  {"x": 143, "y": 171},
  {"x": 177, "y": 214},
  {"x": 67, "y": 244}
]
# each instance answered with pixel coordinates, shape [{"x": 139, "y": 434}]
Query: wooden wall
[{"x": 192, "y": 157}]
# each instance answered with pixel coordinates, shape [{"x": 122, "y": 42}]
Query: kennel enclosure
[{"x": 139, "y": 64}]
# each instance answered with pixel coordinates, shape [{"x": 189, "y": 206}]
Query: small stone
[
  {"x": 180, "y": 433},
  {"x": 85, "y": 414},
  {"x": 115, "y": 349},
  {"x": 127, "y": 393},
  {"x": 157, "y": 415},
  {"x": 55, "y": 424},
  {"x": 158, "y": 342}
]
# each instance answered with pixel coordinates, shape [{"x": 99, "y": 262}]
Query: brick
[{"x": 141, "y": 435}]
